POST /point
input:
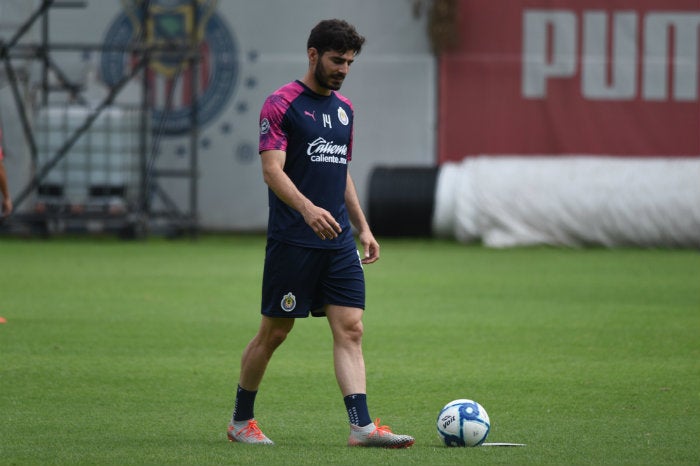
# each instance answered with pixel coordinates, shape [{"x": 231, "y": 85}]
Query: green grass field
[{"x": 127, "y": 353}]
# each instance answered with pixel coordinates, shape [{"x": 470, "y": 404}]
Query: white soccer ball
[{"x": 463, "y": 423}]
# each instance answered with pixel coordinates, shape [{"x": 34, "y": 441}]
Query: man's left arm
[{"x": 370, "y": 245}]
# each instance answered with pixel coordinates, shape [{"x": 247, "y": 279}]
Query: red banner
[{"x": 550, "y": 77}]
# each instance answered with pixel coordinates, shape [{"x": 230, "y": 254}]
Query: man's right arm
[{"x": 320, "y": 220}]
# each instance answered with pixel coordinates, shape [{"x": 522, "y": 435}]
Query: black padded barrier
[{"x": 401, "y": 201}]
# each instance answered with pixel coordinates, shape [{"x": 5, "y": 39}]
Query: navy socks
[
  {"x": 245, "y": 401},
  {"x": 357, "y": 409},
  {"x": 356, "y": 405}
]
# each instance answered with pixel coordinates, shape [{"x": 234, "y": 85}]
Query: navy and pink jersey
[{"x": 316, "y": 133}]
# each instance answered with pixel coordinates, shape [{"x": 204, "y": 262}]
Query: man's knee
[
  {"x": 273, "y": 333},
  {"x": 355, "y": 331},
  {"x": 277, "y": 336},
  {"x": 347, "y": 324}
]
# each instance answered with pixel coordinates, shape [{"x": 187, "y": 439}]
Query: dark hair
[{"x": 336, "y": 35}]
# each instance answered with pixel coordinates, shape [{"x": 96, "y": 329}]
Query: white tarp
[{"x": 570, "y": 201}]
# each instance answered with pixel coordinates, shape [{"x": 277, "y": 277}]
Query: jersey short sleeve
[{"x": 273, "y": 134}]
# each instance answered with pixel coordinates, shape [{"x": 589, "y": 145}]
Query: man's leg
[
  {"x": 272, "y": 332},
  {"x": 347, "y": 329},
  {"x": 256, "y": 356}
]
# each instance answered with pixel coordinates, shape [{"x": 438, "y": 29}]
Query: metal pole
[
  {"x": 194, "y": 133},
  {"x": 23, "y": 117},
  {"x": 43, "y": 53},
  {"x": 144, "y": 206},
  {"x": 45, "y": 4}
]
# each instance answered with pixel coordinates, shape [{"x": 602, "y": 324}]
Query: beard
[{"x": 325, "y": 79}]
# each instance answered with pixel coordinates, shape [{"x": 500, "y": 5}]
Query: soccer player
[
  {"x": 312, "y": 265},
  {"x": 4, "y": 189}
]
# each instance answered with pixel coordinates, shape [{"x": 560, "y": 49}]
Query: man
[
  {"x": 312, "y": 265},
  {"x": 6, "y": 209}
]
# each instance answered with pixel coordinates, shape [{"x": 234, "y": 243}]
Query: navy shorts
[{"x": 299, "y": 281}]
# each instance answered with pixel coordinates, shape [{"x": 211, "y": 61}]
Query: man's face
[{"x": 332, "y": 67}]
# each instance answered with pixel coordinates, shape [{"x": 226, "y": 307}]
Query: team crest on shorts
[{"x": 289, "y": 302}]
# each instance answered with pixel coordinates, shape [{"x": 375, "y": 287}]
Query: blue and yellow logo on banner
[{"x": 172, "y": 28}]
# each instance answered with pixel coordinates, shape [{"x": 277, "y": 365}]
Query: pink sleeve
[{"x": 272, "y": 135}]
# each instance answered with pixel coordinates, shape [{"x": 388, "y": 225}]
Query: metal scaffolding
[{"x": 151, "y": 209}]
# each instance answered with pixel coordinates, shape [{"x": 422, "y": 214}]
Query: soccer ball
[{"x": 463, "y": 423}]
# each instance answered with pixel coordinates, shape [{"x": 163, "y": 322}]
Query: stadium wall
[
  {"x": 520, "y": 81},
  {"x": 251, "y": 49}
]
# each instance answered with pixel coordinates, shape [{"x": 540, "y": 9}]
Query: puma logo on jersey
[{"x": 311, "y": 114}]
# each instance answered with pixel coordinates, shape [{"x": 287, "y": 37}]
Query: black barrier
[{"x": 401, "y": 200}]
